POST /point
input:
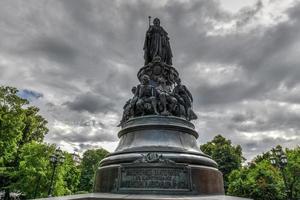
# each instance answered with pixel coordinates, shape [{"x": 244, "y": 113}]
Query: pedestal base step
[{"x": 110, "y": 196}]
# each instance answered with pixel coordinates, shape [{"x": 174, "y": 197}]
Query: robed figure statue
[{"x": 157, "y": 44}]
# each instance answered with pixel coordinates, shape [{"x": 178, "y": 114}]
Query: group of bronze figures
[
  {"x": 161, "y": 99},
  {"x": 160, "y": 91}
]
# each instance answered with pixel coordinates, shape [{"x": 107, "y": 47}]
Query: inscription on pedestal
[{"x": 154, "y": 177}]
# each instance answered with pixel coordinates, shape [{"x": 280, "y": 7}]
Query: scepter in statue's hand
[
  {"x": 147, "y": 33},
  {"x": 149, "y": 17}
]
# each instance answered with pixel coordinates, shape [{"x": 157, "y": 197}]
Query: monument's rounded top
[
  {"x": 158, "y": 119},
  {"x": 158, "y": 122}
]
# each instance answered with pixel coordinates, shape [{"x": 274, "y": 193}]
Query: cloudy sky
[{"x": 77, "y": 61}]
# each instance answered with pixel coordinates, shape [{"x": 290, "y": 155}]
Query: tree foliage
[
  {"x": 228, "y": 156},
  {"x": 35, "y": 126},
  {"x": 258, "y": 181},
  {"x": 261, "y": 180},
  {"x": 89, "y": 165},
  {"x": 24, "y": 159},
  {"x": 33, "y": 175},
  {"x": 11, "y": 123},
  {"x": 71, "y": 174},
  {"x": 35, "y": 170},
  {"x": 19, "y": 124},
  {"x": 292, "y": 171}
]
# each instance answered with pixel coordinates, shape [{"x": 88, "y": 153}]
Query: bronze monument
[{"x": 158, "y": 152}]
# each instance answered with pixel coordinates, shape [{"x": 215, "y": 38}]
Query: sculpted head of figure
[
  {"x": 145, "y": 79},
  {"x": 178, "y": 81},
  {"x": 133, "y": 89},
  {"x": 156, "y": 22}
]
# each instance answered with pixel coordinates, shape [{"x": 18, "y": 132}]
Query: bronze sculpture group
[{"x": 160, "y": 91}]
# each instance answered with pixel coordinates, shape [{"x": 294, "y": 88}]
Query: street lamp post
[
  {"x": 56, "y": 158},
  {"x": 279, "y": 160},
  {"x": 37, "y": 185}
]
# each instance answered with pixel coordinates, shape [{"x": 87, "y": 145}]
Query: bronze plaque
[{"x": 154, "y": 177}]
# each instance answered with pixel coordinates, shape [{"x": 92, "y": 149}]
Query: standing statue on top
[{"x": 157, "y": 44}]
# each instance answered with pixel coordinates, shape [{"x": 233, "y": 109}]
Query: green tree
[
  {"x": 89, "y": 165},
  {"x": 35, "y": 126},
  {"x": 19, "y": 124},
  {"x": 227, "y": 156},
  {"x": 11, "y": 123},
  {"x": 66, "y": 177},
  {"x": 257, "y": 181},
  {"x": 292, "y": 171},
  {"x": 35, "y": 170},
  {"x": 261, "y": 180},
  {"x": 71, "y": 174}
]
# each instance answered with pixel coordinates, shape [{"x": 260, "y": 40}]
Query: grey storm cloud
[
  {"x": 226, "y": 93},
  {"x": 55, "y": 49},
  {"x": 83, "y": 136},
  {"x": 83, "y": 57},
  {"x": 91, "y": 103}
]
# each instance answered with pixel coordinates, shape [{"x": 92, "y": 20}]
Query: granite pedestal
[{"x": 158, "y": 155}]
